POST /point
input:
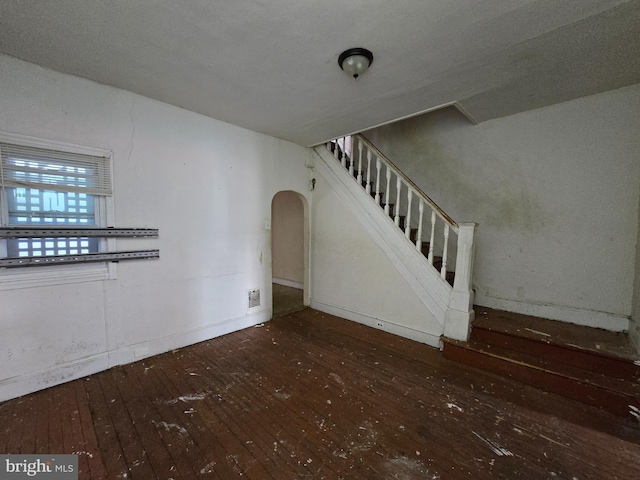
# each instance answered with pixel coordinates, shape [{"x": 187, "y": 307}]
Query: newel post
[{"x": 460, "y": 310}]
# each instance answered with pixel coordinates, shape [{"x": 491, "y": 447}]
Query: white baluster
[
  {"x": 361, "y": 146},
  {"x": 344, "y": 152},
  {"x": 368, "y": 187},
  {"x": 336, "y": 150},
  {"x": 443, "y": 270},
  {"x": 396, "y": 220},
  {"x": 433, "y": 235},
  {"x": 351, "y": 159},
  {"x": 386, "y": 194},
  {"x": 407, "y": 227},
  {"x": 419, "y": 236},
  {"x": 378, "y": 167}
]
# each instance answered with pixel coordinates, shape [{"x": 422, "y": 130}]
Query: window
[
  {"x": 36, "y": 207},
  {"x": 46, "y": 184}
]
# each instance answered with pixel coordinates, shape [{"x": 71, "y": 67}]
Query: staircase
[
  {"x": 393, "y": 210},
  {"x": 593, "y": 366},
  {"x": 431, "y": 250}
]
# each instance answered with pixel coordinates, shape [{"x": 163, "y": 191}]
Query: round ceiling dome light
[{"x": 355, "y": 61}]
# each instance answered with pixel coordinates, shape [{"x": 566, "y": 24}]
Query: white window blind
[{"x": 32, "y": 167}]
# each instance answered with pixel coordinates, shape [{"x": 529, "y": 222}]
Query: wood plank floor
[
  {"x": 286, "y": 299},
  {"x": 309, "y": 395}
]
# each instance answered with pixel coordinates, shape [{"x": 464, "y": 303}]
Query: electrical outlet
[{"x": 379, "y": 324}]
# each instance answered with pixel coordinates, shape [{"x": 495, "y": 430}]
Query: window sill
[{"x": 45, "y": 276}]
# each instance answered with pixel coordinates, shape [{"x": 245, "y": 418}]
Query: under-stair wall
[
  {"x": 368, "y": 268},
  {"x": 351, "y": 276}
]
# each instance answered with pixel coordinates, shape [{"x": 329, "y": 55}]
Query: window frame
[{"x": 27, "y": 277}]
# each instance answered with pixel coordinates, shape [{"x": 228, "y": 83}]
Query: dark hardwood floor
[
  {"x": 286, "y": 299},
  {"x": 309, "y": 395}
]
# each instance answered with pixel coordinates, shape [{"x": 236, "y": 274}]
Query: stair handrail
[
  {"x": 459, "y": 306},
  {"x": 434, "y": 206}
]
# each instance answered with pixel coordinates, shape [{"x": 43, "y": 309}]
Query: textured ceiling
[{"x": 271, "y": 65}]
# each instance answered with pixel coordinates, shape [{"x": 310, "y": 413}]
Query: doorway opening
[{"x": 289, "y": 252}]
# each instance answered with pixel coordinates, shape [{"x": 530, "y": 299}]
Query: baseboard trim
[
  {"x": 34, "y": 381},
  {"x": 157, "y": 346},
  {"x": 288, "y": 283},
  {"x": 430, "y": 339},
  {"x": 584, "y": 317}
]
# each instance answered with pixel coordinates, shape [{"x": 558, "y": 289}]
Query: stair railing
[
  {"x": 450, "y": 245},
  {"x": 373, "y": 170}
]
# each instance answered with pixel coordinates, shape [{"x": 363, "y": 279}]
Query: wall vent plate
[{"x": 254, "y": 298}]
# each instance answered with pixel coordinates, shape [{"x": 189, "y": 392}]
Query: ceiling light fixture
[{"x": 355, "y": 61}]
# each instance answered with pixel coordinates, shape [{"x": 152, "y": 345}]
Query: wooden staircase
[
  {"x": 424, "y": 246},
  {"x": 596, "y": 367},
  {"x": 434, "y": 245}
]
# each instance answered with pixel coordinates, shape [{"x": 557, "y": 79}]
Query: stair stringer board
[{"x": 425, "y": 281}]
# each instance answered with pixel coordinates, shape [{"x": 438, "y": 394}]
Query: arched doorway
[{"x": 289, "y": 252}]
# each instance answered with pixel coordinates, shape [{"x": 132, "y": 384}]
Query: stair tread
[
  {"x": 595, "y": 341},
  {"x": 624, "y": 387},
  {"x": 536, "y": 399},
  {"x": 605, "y": 394}
]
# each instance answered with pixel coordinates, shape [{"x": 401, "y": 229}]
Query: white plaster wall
[
  {"x": 353, "y": 278},
  {"x": 287, "y": 237},
  {"x": 555, "y": 193},
  {"x": 205, "y": 184}
]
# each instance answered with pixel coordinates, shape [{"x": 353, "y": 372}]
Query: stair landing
[
  {"x": 602, "y": 342},
  {"x": 593, "y": 366}
]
